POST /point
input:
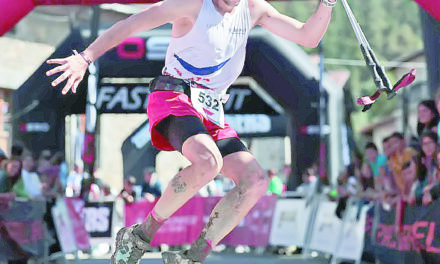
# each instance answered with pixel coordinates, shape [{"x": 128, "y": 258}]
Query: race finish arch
[{"x": 277, "y": 74}]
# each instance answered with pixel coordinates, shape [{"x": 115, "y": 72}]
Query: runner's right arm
[{"x": 75, "y": 66}]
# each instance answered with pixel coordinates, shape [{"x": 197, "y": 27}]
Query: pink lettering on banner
[
  {"x": 406, "y": 241},
  {"x": 186, "y": 224},
  {"x": 131, "y": 49},
  {"x": 430, "y": 238},
  {"x": 75, "y": 208},
  {"x": 384, "y": 236},
  {"x": 418, "y": 236}
]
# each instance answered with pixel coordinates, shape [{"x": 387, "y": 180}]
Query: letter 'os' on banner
[
  {"x": 98, "y": 218},
  {"x": 290, "y": 221}
]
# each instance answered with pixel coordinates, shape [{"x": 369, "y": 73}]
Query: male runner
[{"x": 205, "y": 56}]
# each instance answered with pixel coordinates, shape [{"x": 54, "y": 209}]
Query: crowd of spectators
[{"x": 408, "y": 171}]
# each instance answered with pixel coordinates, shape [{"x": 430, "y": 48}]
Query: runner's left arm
[{"x": 308, "y": 34}]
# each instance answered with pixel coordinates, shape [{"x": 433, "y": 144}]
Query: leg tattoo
[{"x": 178, "y": 185}]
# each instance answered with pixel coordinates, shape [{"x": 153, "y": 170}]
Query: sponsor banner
[
  {"x": 98, "y": 218},
  {"x": 254, "y": 229},
  {"x": 181, "y": 228},
  {"x": 418, "y": 240},
  {"x": 75, "y": 209},
  {"x": 64, "y": 226},
  {"x": 326, "y": 229},
  {"x": 290, "y": 221},
  {"x": 22, "y": 230},
  {"x": 351, "y": 238},
  {"x": 186, "y": 224}
]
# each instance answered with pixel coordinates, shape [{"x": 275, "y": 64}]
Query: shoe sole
[
  {"x": 169, "y": 258},
  {"x": 175, "y": 258},
  {"x": 119, "y": 236}
]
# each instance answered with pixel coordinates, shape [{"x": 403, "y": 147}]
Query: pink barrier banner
[
  {"x": 185, "y": 225},
  {"x": 22, "y": 230},
  {"x": 75, "y": 208},
  {"x": 254, "y": 229}
]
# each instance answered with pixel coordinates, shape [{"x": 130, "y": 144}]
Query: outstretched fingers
[
  {"x": 57, "y": 70},
  {"x": 76, "y": 84},
  {"x": 61, "y": 78},
  {"x": 68, "y": 85},
  {"x": 57, "y": 61}
]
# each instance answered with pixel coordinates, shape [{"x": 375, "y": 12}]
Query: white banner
[
  {"x": 63, "y": 226},
  {"x": 289, "y": 223},
  {"x": 326, "y": 230},
  {"x": 351, "y": 241}
]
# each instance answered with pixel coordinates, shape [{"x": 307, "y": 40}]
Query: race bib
[{"x": 209, "y": 104}]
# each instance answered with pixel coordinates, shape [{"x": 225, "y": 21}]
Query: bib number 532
[{"x": 208, "y": 101}]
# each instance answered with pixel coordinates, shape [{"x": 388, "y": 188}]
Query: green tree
[{"x": 392, "y": 28}]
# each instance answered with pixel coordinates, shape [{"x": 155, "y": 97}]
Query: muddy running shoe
[
  {"x": 129, "y": 247},
  {"x": 177, "y": 257}
]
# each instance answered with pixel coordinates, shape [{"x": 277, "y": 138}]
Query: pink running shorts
[{"x": 162, "y": 104}]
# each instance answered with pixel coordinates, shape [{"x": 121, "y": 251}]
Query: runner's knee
[
  {"x": 254, "y": 180},
  {"x": 204, "y": 156}
]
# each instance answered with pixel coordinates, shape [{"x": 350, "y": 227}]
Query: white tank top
[{"x": 213, "y": 52}]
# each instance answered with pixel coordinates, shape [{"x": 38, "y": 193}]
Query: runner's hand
[{"x": 73, "y": 69}]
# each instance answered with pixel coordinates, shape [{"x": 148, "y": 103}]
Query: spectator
[
  {"x": 107, "y": 193},
  {"x": 49, "y": 176},
  {"x": 127, "y": 193},
  {"x": 16, "y": 151},
  {"x": 432, "y": 190},
  {"x": 387, "y": 181},
  {"x": 63, "y": 172},
  {"x": 400, "y": 156},
  {"x": 366, "y": 177},
  {"x": 427, "y": 118},
  {"x": 31, "y": 180},
  {"x": 375, "y": 160},
  {"x": 2, "y": 156},
  {"x": 308, "y": 184},
  {"x": 10, "y": 179},
  {"x": 151, "y": 185},
  {"x": 73, "y": 185},
  {"x": 410, "y": 174},
  {"x": 275, "y": 184},
  {"x": 429, "y": 153}
]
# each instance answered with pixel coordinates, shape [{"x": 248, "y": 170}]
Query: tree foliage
[{"x": 392, "y": 28}]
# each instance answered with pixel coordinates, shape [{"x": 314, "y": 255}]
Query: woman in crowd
[
  {"x": 31, "y": 180},
  {"x": 366, "y": 177},
  {"x": 11, "y": 181},
  {"x": 427, "y": 118},
  {"x": 49, "y": 176},
  {"x": 426, "y": 177}
]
